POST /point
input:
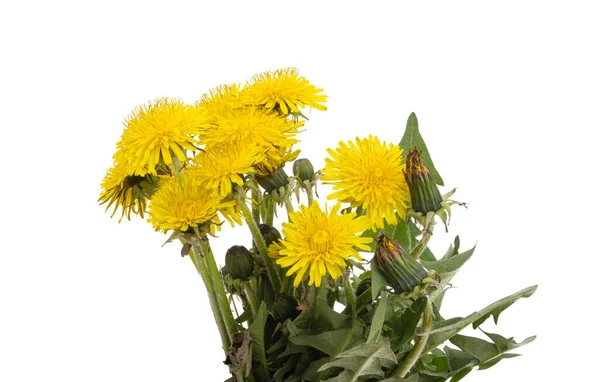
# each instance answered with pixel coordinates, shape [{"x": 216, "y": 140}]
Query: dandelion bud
[
  {"x": 284, "y": 308},
  {"x": 269, "y": 233},
  {"x": 304, "y": 170},
  {"x": 363, "y": 286},
  {"x": 239, "y": 262},
  {"x": 424, "y": 193},
  {"x": 402, "y": 272},
  {"x": 273, "y": 181}
]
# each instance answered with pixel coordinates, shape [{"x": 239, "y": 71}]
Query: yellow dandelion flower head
[
  {"x": 320, "y": 242},
  {"x": 221, "y": 100},
  {"x": 185, "y": 204},
  {"x": 128, "y": 192},
  {"x": 285, "y": 90},
  {"x": 252, "y": 126},
  {"x": 220, "y": 166},
  {"x": 369, "y": 172},
  {"x": 156, "y": 131},
  {"x": 275, "y": 158}
]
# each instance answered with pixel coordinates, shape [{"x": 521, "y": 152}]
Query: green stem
[
  {"x": 417, "y": 350},
  {"x": 256, "y": 200},
  {"x": 309, "y": 194},
  {"x": 270, "y": 211},
  {"x": 288, "y": 207},
  {"x": 219, "y": 289},
  {"x": 251, "y": 297},
  {"x": 260, "y": 245},
  {"x": 427, "y": 233},
  {"x": 214, "y": 305},
  {"x": 350, "y": 298}
]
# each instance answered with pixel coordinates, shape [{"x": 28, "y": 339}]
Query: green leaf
[
  {"x": 412, "y": 137},
  {"x": 257, "y": 331},
  {"x": 449, "y": 266},
  {"x": 411, "y": 378},
  {"x": 378, "y": 280},
  {"x": 487, "y": 353},
  {"x": 405, "y": 234},
  {"x": 327, "y": 318},
  {"x": 377, "y": 321},
  {"x": 333, "y": 342},
  {"x": 402, "y": 328},
  {"x": 446, "y": 329},
  {"x": 363, "y": 360}
]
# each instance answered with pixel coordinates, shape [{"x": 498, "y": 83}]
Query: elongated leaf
[
  {"x": 377, "y": 321},
  {"x": 402, "y": 328},
  {"x": 448, "y": 266},
  {"x": 412, "y": 137},
  {"x": 378, "y": 281},
  {"x": 334, "y": 342},
  {"x": 257, "y": 331},
  {"x": 363, "y": 360},
  {"x": 487, "y": 353},
  {"x": 444, "y": 330}
]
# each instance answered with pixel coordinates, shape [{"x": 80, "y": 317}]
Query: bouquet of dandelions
[{"x": 306, "y": 305}]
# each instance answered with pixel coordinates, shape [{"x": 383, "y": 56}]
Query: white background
[{"x": 507, "y": 98}]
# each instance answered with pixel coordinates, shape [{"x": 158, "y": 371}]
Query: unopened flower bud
[
  {"x": 274, "y": 181},
  {"x": 304, "y": 170},
  {"x": 269, "y": 233},
  {"x": 239, "y": 262},
  {"x": 284, "y": 308},
  {"x": 424, "y": 193},
  {"x": 401, "y": 271}
]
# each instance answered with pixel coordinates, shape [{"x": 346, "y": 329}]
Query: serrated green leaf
[
  {"x": 412, "y": 137},
  {"x": 333, "y": 342},
  {"x": 487, "y": 353},
  {"x": 327, "y": 318},
  {"x": 257, "y": 331},
  {"x": 403, "y": 327},
  {"x": 362, "y": 360},
  {"x": 446, "y": 329},
  {"x": 448, "y": 266},
  {"x": 377, "y": 321},
  {"x": 411, "y": 378}
]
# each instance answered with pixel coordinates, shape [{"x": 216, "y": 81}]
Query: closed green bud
[
  {"x": 284, "y": 308},
  {"x": 424, "y": 193},
  {"x": 269, "y": 233},
  {"x": 363, "y": 286},
  {"x": 274, "y": 181},
  {"x": 239, "y": 262},
  {"x": 304, "y": 170},
  {"x": 402, "y": 272}
]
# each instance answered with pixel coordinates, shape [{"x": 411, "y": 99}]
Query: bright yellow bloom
[
  {"x": 252, "y": 126},
  {"x": 218, "y": 166},
  {"x": 185, "y": 204},
  {"x": 156, "y": 131},
  {"x": 221, "y": 100},
  {"x": 129, "y": 192},
  {"x": 283, "y": 89},
  {"x": 320, "y": 242},
  {"x": 369, "y": 173},
  {"x": 276, "y": 158}
]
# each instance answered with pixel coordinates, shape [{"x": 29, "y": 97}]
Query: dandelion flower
[
  {"x": 252, "y": 126},
  {"x": 221, "y": 100},
  {"x": 155, "y": 132},
  {"x": 129, "y": 192},
  {"x": 185, "y": 204},
  {"x": 285, "y": 90},
  {"x": 369, "y": 173},
  {"x": 275, "y": 158},
  {"x": 320, "y": 242},
  {"x": 220, "y": 166}
]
